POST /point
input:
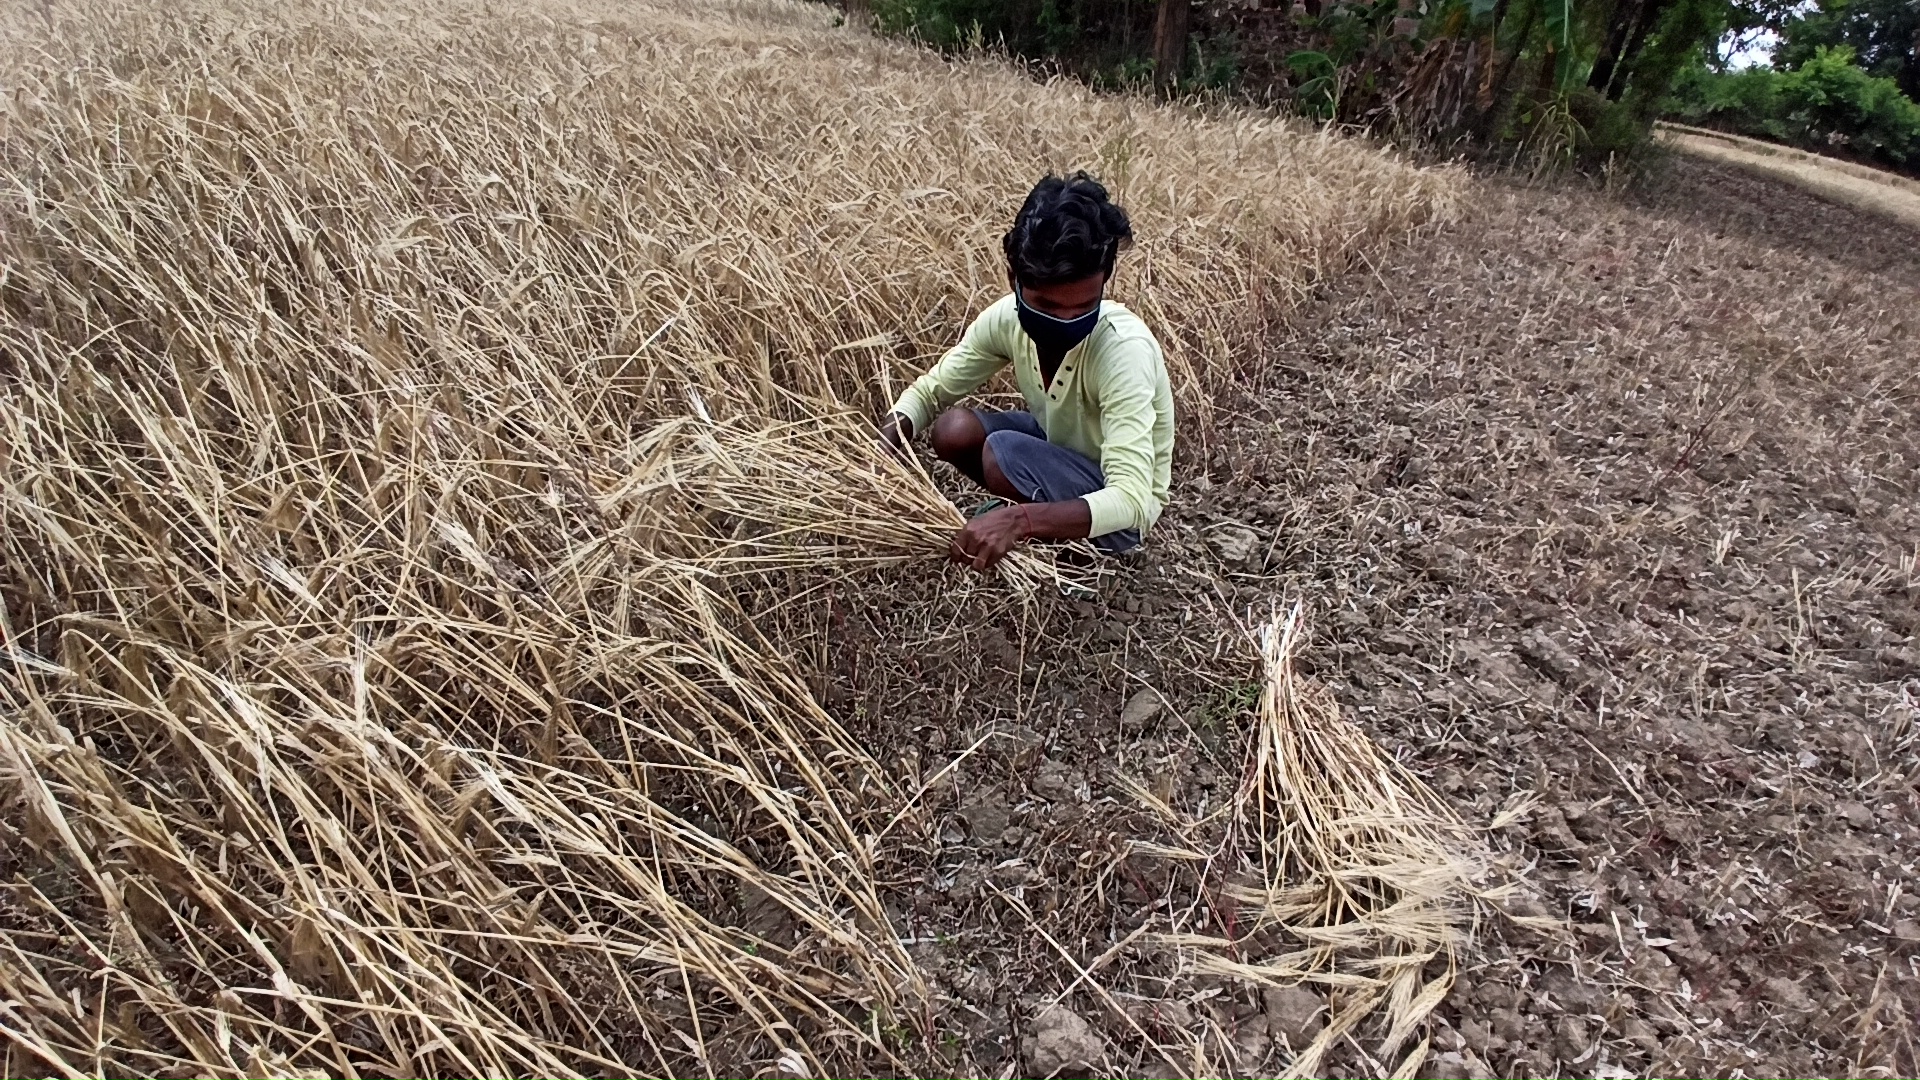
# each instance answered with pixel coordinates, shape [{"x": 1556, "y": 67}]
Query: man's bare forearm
[
  {"x": 1067, "y": 520},
  {"x": 896, "y": 429},
  {"x": 988, "y": 538}
]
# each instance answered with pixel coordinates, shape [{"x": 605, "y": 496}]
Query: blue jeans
[{"x": 1043, "y": 472}]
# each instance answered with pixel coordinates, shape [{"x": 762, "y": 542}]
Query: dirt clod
[
  {"x": 1548, "y": 656},
  {"x": 1234, "y": 544},
  {"x": 1054, "y": 781},
  {"x": 1789, "y": 995},
  {"x": 1455, "y": 1065},
  {"x": 1061, "y": 1040},
  {"x": 1022, "y": 745},
  {"x": 1140, "y": 710},
  {"x": 1571, "y": 1040},
  {"x": 1294, "y": 1014},
  {"x": 1857, "y": 815},
  {"x": 987, "y": 818}
]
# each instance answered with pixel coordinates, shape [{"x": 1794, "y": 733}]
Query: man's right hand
[{"x": 896, "y": 434}]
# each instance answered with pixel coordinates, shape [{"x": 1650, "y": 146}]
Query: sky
[{"x": 1749, "y": 49}]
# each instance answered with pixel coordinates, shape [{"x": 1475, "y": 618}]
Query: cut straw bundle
[
  {"x": 825, "y": 492},
  {"x": 1371, "y": 884}
]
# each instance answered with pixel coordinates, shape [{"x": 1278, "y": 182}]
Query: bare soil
[
  {"x": 1834, "y": 179},
  {"x": 1609, "y": 499}
]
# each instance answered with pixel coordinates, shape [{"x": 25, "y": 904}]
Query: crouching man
[{"x": 1092, "y": 453}]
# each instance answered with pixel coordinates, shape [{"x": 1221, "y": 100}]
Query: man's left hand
[{"x": 987, "y": 538}]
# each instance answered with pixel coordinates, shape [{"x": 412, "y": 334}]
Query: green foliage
[
  {"x": 1215, "y": 63},
  {"x": 1059, "y": 26},
  {"x": 1831, "y": 94},
  {"x": 1513, "y": 73},
  {"x": 1682, "y": 32},
  {"x": 1557, "y": 19},
  {"x": 1317, "y": 85},
  {"x": 1827, "y": 102},
  {"x": 1609, "y": 133},
  {"x": 1746, "y": 102},
  {"x": 1350, "y": 27},
  {"x": 943, "y": 23},
  {"x": 1106, "y": 41},
  {"x": 1033, "y": 28},
  {"x": 1129, "y": 73},
  {"x": 1883, "y": 34},
  {"x": 1553, "y": 133},
  {"x": 1225, "y": 706}
]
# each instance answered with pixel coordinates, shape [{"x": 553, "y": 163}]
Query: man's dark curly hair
[{"x": 1067, "y": 230}]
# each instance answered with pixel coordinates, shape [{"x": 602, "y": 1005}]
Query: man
[{"x": 1092, "y": 454}]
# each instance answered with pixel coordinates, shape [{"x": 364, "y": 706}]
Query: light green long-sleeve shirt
[{"x": 1110, "y": 401}]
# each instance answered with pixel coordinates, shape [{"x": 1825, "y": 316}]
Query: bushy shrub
[
  {"x": 1746, "y": 102},
  {"x": 1826, "y": 103},
  {"x": 1083, "y": 32},
  {"x": 945, "y": 23},
  {"x": 1836, "y": 100}
]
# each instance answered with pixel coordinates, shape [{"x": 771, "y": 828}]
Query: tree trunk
[
  {"x": 1490, "y": 119},
  {"x": 1620, "y": 23},
  {"x": 1484, "y": 101},
  {"x": 1647, "y": 18},
  {"x": 1169, "y": 41}
]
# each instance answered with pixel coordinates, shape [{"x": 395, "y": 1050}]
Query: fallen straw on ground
[
  {"x": 1369, "y": 884},
  {"x": 414, "y": 789}
]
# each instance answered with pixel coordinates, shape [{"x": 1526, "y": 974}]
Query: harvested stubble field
[{"x": 425, "y": 653}]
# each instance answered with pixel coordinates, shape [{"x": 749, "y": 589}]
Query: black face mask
[{"x": 1053, "y": 335}]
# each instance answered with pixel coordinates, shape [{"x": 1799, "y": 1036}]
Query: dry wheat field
[
  {"x": 418, "y": 421},
  {"x": 454, "y": 617}
]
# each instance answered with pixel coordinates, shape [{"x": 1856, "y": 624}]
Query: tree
[
  {"x": 1169, "y": 41},
  {"x": 1883, "y": 34},
  {"x": 1630, "y": 23}
]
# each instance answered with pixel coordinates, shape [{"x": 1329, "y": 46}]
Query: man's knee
[
  {"x": 991, "y": 474},
  {"x": 957, "y": 435}
]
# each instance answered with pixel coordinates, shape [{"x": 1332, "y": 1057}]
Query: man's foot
[{"x": 1075, "y": 591}]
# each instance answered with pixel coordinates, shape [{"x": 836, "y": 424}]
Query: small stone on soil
[{"x": 1547, "y": 656}]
